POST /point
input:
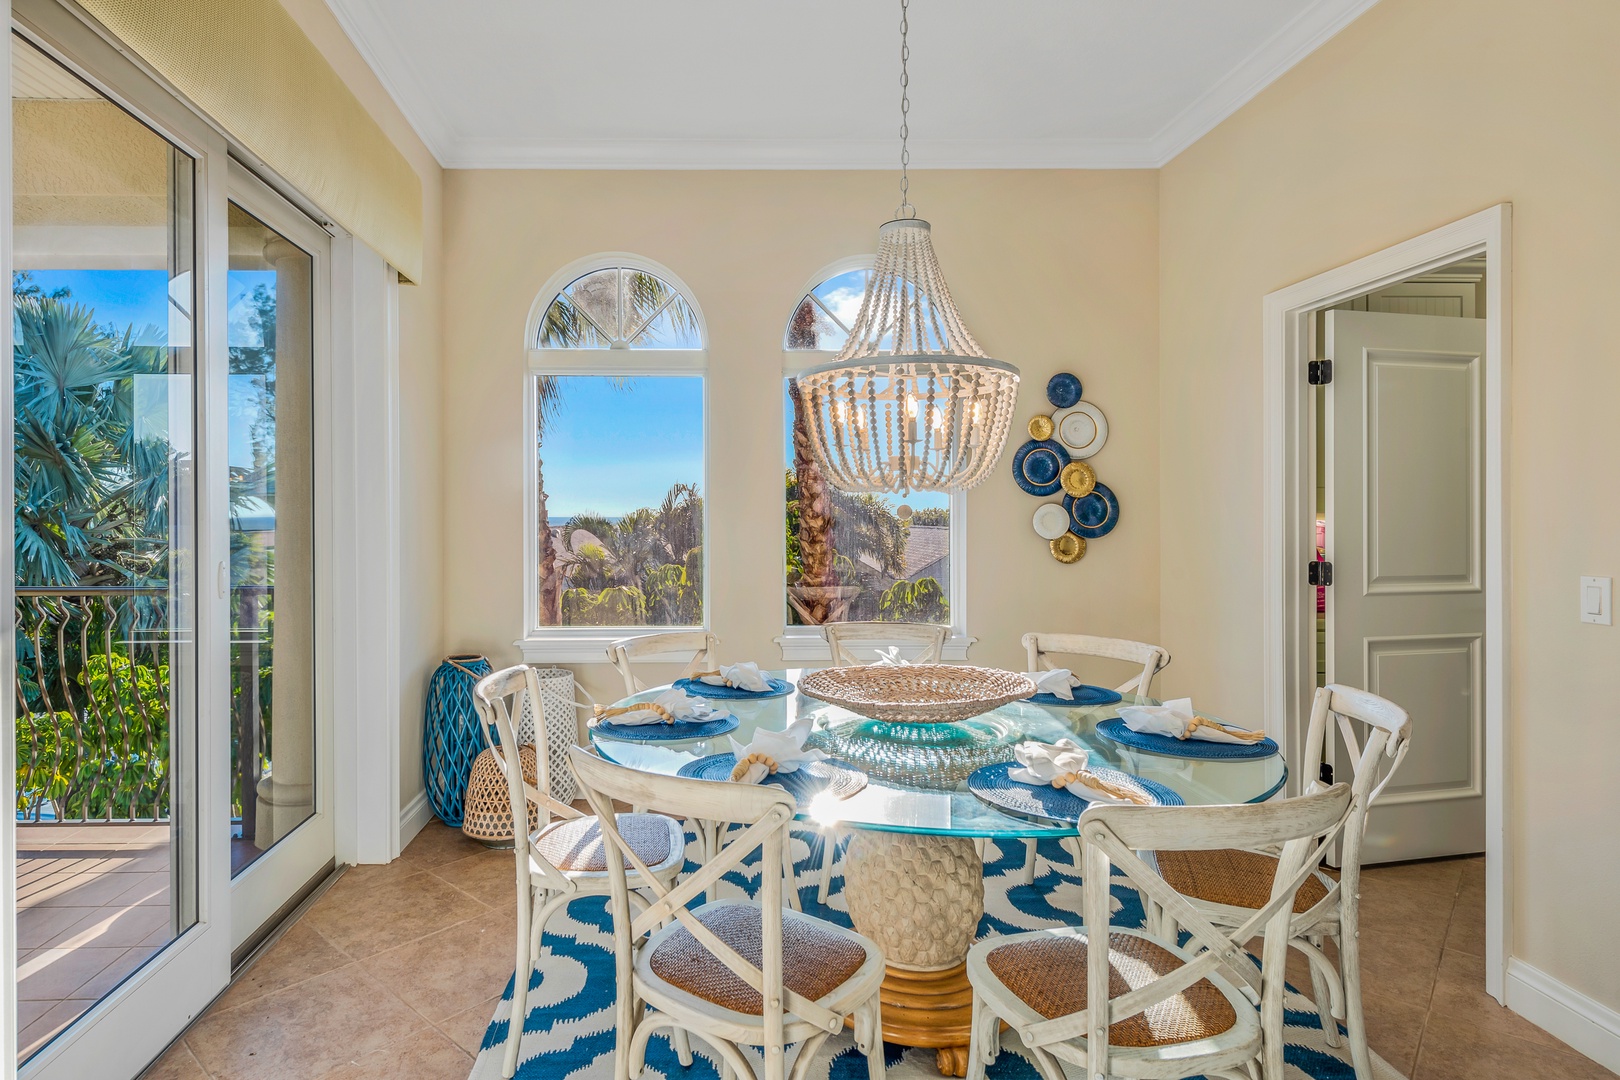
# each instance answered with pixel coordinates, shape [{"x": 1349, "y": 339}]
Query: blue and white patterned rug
[{"x": 568, "y": 1034}]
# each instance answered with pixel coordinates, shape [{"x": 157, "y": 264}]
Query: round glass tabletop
[{"x": 910, "y": 791}]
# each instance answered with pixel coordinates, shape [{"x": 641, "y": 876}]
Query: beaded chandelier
[{"x": 912, "y": 403}]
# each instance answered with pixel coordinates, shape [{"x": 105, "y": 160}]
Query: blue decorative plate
[
  {"x": 992, "y": 784},
  {"x": 804, "y": 783},
  {"x": 1063, "y": 390},
  {"x": 1093, "y": 515},
  {"x": 1085, "y": 697},
  {"x": 699, "y": 688},
  {"x": 1115, "y": 730},
  {"x": 680, "y": 729},
  {"x": 1038, "y": 466}
]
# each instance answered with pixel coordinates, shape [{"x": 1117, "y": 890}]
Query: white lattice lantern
[{"x": 912, "y": 403}]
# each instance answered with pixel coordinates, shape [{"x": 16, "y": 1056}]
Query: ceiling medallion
[{"x": 911, "y": 403}]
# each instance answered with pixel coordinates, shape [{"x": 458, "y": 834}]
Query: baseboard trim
[
  {"x": 1584, "y": 1023},
  {"x": 414, "y": 818}
]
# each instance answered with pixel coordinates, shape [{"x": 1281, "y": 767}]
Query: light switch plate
[{"x": 1597, "y": 600}]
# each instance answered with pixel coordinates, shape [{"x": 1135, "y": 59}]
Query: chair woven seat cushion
[
  {"x": 1235, "y": 878},
  {"x": 816, "y": 958},
  {"x": 1048, "y": 974},
  {"x": 576, "y": 844}
]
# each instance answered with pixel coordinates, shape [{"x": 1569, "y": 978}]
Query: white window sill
[
  {"x": 799, "y": 647},
  {"x": 592, "y": 647}
]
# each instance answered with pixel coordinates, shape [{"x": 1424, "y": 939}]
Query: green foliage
[
  {"x": 621, "y": 605},
  {"x": 112, "y": 761},
  {"x": 931, "y": 515},
  {"x": 915, "y": 601}
]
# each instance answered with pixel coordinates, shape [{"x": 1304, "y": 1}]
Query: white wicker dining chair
[
  {"x": 1152, "y": 658},
  {"x": 1038, "y": 647},
  {"x": 562, "y": 859},
  {"x": 733, "y": 973},
  {"x": 857, "y": 643},
  {"x": 1146, "y": 1006},
  {"x": 1224, "y": 886},
  {"x": 624, "y": 652}
]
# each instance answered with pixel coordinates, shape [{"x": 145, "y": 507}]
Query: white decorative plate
[
  {"x": 1051, "y": 521},
  {"x": 1082, "y": 429}
]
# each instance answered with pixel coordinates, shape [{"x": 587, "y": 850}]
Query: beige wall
[
  {"x": 1054, "y": 271},
  {"x": 1420, "y": 112},
  {"x": 421, "y": 627}
]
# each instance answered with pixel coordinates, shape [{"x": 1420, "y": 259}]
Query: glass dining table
[{"x": 913, "y": 875}]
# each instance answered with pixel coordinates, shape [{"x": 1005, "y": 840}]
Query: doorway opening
[{"x": 1407, "y": 281}]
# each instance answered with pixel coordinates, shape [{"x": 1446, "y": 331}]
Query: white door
[{"x": 1406, "y": 610}]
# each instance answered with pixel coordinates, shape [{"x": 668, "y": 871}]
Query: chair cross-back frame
[
  {"x": 624, "y": 652},
  {"x": 1153, "y": 658},
  {"x": 844, "y": 638}
]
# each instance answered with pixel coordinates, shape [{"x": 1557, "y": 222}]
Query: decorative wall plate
[
  {"x": 1040, "y": 427},
  {"x": 1078, "y": 478},
  {"x": 1083, "y": 430},
  {"x": 1068, "y": 548},
  {"x": 1038, "y": 466},
  {"x": 1063, "y": 390},
  {"x": 1094, "y": 515},
  {"x": 1051, "y": 521}
]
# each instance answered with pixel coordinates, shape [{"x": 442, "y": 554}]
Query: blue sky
[
  {"x": 617, "y": 445},
  {"x": 138, "y": 298}
]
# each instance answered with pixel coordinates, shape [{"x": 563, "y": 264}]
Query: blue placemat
[
  {"x": 698, "y": 688},
  {"x": 1085, "y": 696},
  {"x": 804, "y": 783},
  {"x": 680, "y": 729},
  {"x": 1116, "y": 731},
  {"x": 992, "y": 784}
]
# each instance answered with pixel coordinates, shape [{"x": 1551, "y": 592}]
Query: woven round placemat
[
  {"x": 992, "y": 784},
  {"x": 699, "y": 688},
  {"x": 680, "y": 729},
  {"x": 917, "y": 693},
  {"x": 804, "y": 783},
  {"x": 1115, "y": 730},
  {"x": 1085, "y": 697}
]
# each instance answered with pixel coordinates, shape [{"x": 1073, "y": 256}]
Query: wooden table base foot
[{"x": 930, "y": 1009}]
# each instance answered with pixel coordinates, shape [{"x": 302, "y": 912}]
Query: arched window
[
  {"x": 616, "y": 410},
  {"x": 857, "y": 557}
]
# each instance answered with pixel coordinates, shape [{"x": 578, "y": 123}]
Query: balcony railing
[{"x": 94, "y": 697}]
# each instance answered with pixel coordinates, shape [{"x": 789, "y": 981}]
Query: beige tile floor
[
  {"x": 395, "y": 972},
  {"x": 92, "y": 906}
]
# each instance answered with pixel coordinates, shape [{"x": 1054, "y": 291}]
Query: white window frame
[
  {"x": 805, "y": 644},
  {"x": 589, "y": 644}
]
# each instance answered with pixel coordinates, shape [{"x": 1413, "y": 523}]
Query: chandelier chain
[{"x": 906, "y": 210}]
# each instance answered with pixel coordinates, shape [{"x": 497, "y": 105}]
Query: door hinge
[
  {"x": 1319, "y": 573},
  {"x": 1319, "y": 372}
]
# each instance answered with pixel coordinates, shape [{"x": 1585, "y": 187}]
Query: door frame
[{"x": 1289, "y": 630}]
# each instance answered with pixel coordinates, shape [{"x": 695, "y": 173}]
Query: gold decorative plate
[
  {"x": 1069, "y": 548},
  {"x": 1041, "y": 428},
  {"x": 1078, "y": 478}
]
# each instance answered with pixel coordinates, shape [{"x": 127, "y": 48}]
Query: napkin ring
[
  {"x": 740, "y": 770},
  {"x": 1203, "y": 721},
  {"x": 603, "y": 712}
]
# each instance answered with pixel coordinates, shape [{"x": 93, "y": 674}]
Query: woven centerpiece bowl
[{"x": 917, "y": 693}]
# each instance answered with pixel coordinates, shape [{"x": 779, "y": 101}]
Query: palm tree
[
  {"x": 91, "y": 495},
  {"x": 569, "y": 324}
]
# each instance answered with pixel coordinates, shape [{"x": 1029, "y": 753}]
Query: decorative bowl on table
[
  {"x": 917, "y": 693},
  {"x": 927, "y": 755}
]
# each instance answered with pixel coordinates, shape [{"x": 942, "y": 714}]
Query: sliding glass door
[{"x": 173, "y": 752}]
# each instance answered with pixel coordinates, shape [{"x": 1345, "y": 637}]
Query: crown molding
[
  {"x": 797, "y": 154},
  {"x": 368, "y": 28},
  {"x": 1296, "y": 40}
]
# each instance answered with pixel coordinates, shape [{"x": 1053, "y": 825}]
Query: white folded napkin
[
  {"x": 743, "y": 676},
  {"x": 1177, "y": 720},
  {"x": 672, "y": 705},
  {"x": 1060, "y": 682},
  {"x": 1064, "y": 764},
  {"x": 774, "y": 752},
  {"x": 890, "y": 657}
]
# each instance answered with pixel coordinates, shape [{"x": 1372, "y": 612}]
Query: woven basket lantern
[{"x": 488, "y": 814}]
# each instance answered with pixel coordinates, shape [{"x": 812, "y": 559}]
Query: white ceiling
[{"x": 752, "y": 84}]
